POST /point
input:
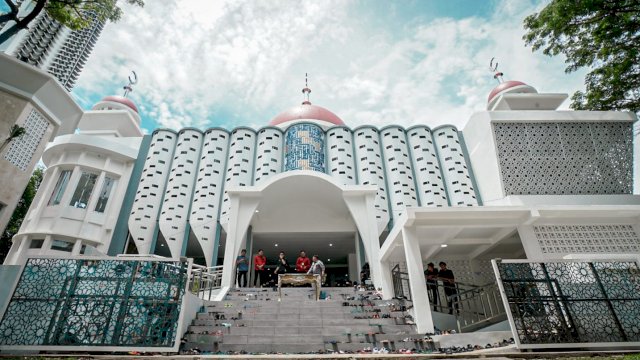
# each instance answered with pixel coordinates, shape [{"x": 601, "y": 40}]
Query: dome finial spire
[
  {"x": 494, "y": 69},
  {"x": 132, "y": 81},
  {"x": 306, "y": 91}
]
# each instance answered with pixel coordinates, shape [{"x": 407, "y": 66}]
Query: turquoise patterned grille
[
  {"x": 304, "y": 148},
  {"x": 97, "y": 303}
]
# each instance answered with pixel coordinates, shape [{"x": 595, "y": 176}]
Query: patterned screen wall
[
  {"x": 574, "y": 239},
  {"x": 565, "y": 158},
  {"x": 22, "y": 149},
  {"x": 95, "y": 302},
  {"x": 572, "y": 303}
]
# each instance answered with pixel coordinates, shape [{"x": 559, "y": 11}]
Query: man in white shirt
[{"x": 317, "y": 268}]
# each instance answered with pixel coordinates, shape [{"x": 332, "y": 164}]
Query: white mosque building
[{"x": 521, "y": 180}]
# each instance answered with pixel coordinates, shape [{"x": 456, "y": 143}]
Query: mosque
[{"x": 521, "y": 180}]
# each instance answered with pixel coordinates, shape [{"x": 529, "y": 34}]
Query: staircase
[
  {"x": 252, "y": 320},
  {"x": 479, "y": 307}
]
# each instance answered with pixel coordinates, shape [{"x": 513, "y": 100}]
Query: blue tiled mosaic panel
[
  {"x": 74, "y": 302},
  {"x": 304, "y": 148}
]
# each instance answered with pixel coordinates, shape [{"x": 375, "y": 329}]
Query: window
[
  {"x": 61, "y": 245},
  {"x": 36, "y": 243},
  {"x": 83, "y": 191},
  {"x": 61, "y": 185},
  {"x": 103, "y": 197}
]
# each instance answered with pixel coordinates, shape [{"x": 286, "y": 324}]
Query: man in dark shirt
[
  {"x": 449, "y": 284},
  {"x": 431, "y": 276},
  {"x": 243, "y": 267}
]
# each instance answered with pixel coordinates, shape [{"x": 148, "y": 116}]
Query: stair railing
[
  {"x": 204, "y": 280},
  {"x": 401, "y": 287},
  {"x": 478, "y": 307}
]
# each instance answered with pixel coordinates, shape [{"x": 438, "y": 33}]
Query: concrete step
[
  {"x": 277, "y": 348},
  {"x": 296, "y": 320},
  {"x": 327, "y": 329},
  {"x": 256, "y": 322}
]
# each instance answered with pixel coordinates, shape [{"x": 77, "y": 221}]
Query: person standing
[
  {"x": 449, "y": 284},
  {"x": 282, "y": 265},
  {"x": 243, "y": 268},
  {"x": 431, "y": 276},
  {"x": 259, "y": 262},
  {"x": 317, "y": 268},
  {"x": 303, "y": 263}
]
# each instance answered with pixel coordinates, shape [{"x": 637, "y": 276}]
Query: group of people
[
  {"x": 262, "y": 275},
  {"x": 444, "y": 275}
]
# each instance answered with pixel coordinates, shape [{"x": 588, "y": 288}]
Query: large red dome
[
  {"x": 122, "y": 100},
  {"x": 306, "y": 111}
]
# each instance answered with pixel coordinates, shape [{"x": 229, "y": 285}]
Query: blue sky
[{"x": 230, "y": 63}]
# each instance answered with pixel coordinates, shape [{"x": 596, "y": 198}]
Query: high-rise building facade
[{"x": 52, "y": 46}]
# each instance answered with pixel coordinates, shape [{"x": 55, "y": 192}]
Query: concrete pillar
[
  {"x": 362, "y": 208},
  {"x": 243, "y": 206},
  {"x": 354, "y": 271},
  {"x": 76, "y": 247},
  {"x": 359, "y": 254},
  {"x": 419, "y": 296},
  {"x": 387, "y": 280}
]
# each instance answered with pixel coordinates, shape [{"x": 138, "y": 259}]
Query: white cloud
[{"x": 198, "y": 57}]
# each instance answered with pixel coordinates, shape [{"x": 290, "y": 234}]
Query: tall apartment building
[{"x": 52, "y": 46}]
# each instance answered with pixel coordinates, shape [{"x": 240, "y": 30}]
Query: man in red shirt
[
  {"x": 259, "y": 262},
  {"x": 303, "y": 263}
]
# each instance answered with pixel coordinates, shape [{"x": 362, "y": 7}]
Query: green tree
[
  {"x": 602, "y": 35},
  {"x": 20, "y": 212},
  {"x": 75, "y": 14}
]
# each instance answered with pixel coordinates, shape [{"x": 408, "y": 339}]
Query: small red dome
[
  {"x": 306, "y": 111},
  {"x": 504, "y": 86},
  {"x": 123, "y": 101}
]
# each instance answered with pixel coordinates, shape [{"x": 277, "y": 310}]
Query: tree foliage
[
  {"x": 603, "y": 35},
  {"x": 20, "y": 212},
  {"x": 74, "y": 14}
]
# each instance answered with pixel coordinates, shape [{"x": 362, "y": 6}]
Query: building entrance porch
[
  {"x": 339, "y": 251},
  {"x": 307, "y": 205}
]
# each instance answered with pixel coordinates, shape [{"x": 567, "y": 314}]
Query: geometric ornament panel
[
  {"x": 572, "y": 302},
  {"x": 576, "y": 239},
  {"x": 23, "y": 148},
  {"x": 544, "y": 158},
  {"x": 95, "y": 302}
]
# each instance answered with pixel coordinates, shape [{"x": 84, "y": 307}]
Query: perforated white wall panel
[
  {"x": 268, "y": 154},
  {"x": 341, "y": 164},
  {"x": 426, "y": 168},
  {"x": 399, "y": 174},
  {"x": 454, "y": 167},
  {"x": 565, "y": 158},
  {"x": 153, "y": 180},
  {"x": 208, "y": 190},
  {"x": 177, "y": 197},
  {"x": 239, "y": 164},
  {"x": 21, "y": 149},
  {"x": 573, "y": 239},
  {"x": 370, "y": 170}
]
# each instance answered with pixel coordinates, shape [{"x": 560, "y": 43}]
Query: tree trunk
[
  {"x": 22, "y": 23},
  {"x": 9, "y": 33}
]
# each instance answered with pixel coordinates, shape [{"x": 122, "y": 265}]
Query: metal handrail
[
  {"x": 478, "y": 306},
  {"x": 204, "y": 280}
]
